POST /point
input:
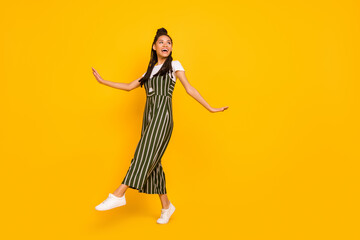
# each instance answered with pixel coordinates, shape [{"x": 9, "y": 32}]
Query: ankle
[
  {"x": 118, "y": 194},
  {"x": 167, "y": 206}
]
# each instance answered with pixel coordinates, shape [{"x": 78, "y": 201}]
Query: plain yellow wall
[{"x": 280, "y": 163}]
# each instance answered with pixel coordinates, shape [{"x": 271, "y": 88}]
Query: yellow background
[{"x": 280, "y": 163}]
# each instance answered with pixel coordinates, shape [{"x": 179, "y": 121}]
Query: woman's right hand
[{"x": 97, "y": 76}]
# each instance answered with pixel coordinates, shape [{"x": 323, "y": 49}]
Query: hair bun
[{"x": 161, "y": 31}]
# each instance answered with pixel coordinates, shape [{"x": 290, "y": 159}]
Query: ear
[{"x": 154, "y": 47}]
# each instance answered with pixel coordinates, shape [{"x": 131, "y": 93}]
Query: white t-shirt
[{"x": 176, "y": 66}]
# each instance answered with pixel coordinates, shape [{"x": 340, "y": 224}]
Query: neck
[{"x": 160, "y": 60}]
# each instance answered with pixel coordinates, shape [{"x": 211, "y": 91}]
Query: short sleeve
[{"x": 177, "y": 66}]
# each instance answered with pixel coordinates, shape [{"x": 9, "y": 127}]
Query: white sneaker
[
  {"x": 111, "y": 202},
  {"x": 166, "y": 214}
]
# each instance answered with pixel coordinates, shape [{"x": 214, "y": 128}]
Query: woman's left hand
[{"x": 213, "y": 110}]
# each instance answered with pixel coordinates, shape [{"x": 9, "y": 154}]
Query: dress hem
[{"x": 143, "y": 191}]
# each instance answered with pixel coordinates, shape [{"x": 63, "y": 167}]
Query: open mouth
[{"x": 164, "y": 50}]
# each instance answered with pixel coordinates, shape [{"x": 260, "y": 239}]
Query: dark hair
[{"x": 166, "y": 67}]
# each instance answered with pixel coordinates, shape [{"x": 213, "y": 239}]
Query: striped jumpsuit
[{"x": 146, "y": 173}]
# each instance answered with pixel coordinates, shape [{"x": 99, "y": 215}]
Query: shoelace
[
  {"x": 165, "y": 214},
  {"x": 105, "y": 201}
]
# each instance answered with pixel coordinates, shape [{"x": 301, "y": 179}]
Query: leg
[
  {"x": 120, "y": 191},
  {"x": 167, "y": 209},
  {"x": 156, "y": 183},
  {"x": 164, "y": 201},
  {"x": 149, "y": 152}
]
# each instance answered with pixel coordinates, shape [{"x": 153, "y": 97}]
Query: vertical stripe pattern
[{"x": 146, "y": 173}]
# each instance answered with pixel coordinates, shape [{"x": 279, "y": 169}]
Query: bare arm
[
  {"x": 123, "y": 86},
  {"x": 194, "y": 93}
]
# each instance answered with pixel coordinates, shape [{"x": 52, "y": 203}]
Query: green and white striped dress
[{"x": 146, "y": 173}]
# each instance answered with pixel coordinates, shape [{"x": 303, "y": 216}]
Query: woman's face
[{"x": 163, "y": 46}]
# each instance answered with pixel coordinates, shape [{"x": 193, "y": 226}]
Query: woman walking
[{"x": 146, "y": 173}]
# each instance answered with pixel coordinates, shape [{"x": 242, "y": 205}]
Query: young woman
[{"x": 145, "y": 172}]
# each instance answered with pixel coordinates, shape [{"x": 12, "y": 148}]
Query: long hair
[{"x": 166, "y": 67}]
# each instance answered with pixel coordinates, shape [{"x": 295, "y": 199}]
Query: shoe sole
[{"x": 110, "y": 208}]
